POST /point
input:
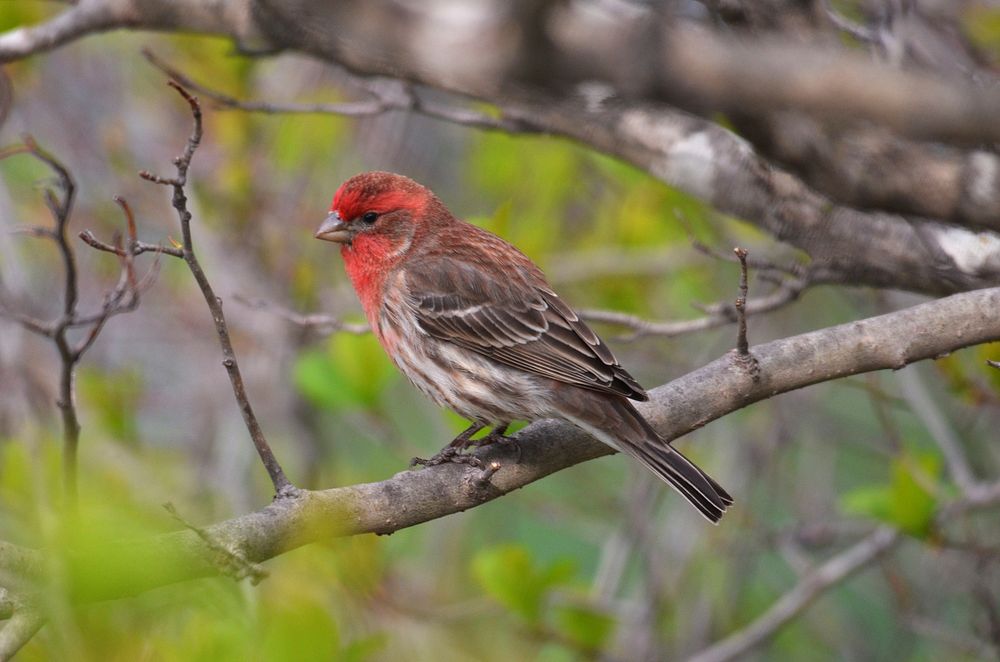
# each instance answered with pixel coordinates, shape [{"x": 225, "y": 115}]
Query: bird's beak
[{"x": 334, "y": 229}]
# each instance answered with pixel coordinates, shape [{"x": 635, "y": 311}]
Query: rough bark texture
[{"x": 409, "y": 498}]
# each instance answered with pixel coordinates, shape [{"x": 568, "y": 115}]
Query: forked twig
[{"x": 282, "y": 486}]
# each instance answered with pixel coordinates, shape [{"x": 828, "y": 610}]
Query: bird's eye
[{"x": 369, "y": 217}]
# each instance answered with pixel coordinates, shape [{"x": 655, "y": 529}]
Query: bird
[{"x": 473, "y": 324}]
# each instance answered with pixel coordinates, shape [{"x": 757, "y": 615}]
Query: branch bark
[
  {"x": 409, "y": 498},
  {"x": 527, "y": 60}
]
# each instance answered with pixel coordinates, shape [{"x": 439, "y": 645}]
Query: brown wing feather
[{"x": 513, "y": 317}]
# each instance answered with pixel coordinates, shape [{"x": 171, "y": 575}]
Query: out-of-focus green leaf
[
  {"x": 509, "y": 575},
  {"x": 872, "y": 502},
  {"x": 584, "y": 626},
  {"x": 363, "y": 649},
  {"x": 982, "y": 23},
  {"x": 352, "y": 372},
  {"x": 300, "y": 630},
  {"x": 556, "y": 653},
  {"x": 913, "y": 503},
  {"x": 114, "y": 397},
  {"x": 907, "y": 501}
]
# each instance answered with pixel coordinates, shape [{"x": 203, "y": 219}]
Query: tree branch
[
  {"x": 704, "y": 159},
  {"x": 282, "y": 486},
  {"x": 18, "y": 631},
  {"x": 644, "y": 57},
  {"x": 793, "y": 603},
  {"x": 124, "y": 297},
  {"x": 409, "y": 498}
]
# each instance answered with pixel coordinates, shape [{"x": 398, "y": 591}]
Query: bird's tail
[{"x": 615, "y": 422}]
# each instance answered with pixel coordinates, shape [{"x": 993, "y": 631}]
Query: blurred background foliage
[{"x": 599, "y": 561}]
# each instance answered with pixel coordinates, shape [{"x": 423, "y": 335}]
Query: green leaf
[
  {"x": 508, "y": 574},
  {"x": 300, "y": 631},
  {"x": 872, "y": 502},
  {"x": 352, "y": 372},
  {"x": 584, "y": 626},
  {"x": 907, "y": 501},
  {"x": 913, "y": 503}
]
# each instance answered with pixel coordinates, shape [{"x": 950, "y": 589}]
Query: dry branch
[
  {"x": 282, "y": 486},
  {"x": 409, "y": 498},
  {"x": 645, "y": 58}
]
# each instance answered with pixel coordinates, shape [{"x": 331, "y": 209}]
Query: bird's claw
[
  {"x": 497, "y": 436},
  {"x": 448, "y": 455}
]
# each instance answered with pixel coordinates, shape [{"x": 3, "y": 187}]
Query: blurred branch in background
[
  {"x": 122, "y": 298},
  {"x": 387, "y": 95},
  {"x": 812, "y": 586},
  {"x": 22, "y": 626},
  {"x": 319, "y": 323},
  {"x": 646, "y": 57}
]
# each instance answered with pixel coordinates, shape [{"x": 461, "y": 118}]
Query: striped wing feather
[{"x": 514, "y": 318}]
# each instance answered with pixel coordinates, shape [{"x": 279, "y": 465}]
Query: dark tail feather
[
  {"x": 684, "y": 476},
  {"x": 624, "y": 428}
]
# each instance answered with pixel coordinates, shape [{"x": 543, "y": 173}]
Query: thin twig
[
  {"x": 742, "y": 346},
  {"x": 859, "y": 32},
  {"x": 282, "y": 486},
  {"x": 124, "y": 297},
  {"x": 793, "y": 603},
  {"x": 138, "y": 248},
  {"x": 320, "y": 322},
  {"x": 924, "y": 407},
  {"x": 60, "y": 209},
  {"x": 717, "y": 314},
  {"x": 387, "y": 95}
]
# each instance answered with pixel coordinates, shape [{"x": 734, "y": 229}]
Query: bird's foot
[
  {"x": 453, "y": 451},
  {"x": 449, "y": 454},
  {"x": 498, "y": 436}
]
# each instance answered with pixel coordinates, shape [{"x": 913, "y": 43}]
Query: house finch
[{"x": 471, "y": 321}]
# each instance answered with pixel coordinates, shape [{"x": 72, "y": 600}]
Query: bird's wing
[{"x": 515, "y": 319}]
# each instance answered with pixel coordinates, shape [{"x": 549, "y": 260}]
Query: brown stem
[{"x": 282, "y": 485}]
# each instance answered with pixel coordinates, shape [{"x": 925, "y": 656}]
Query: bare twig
[
  {"x": 282, "y": 486},
  {"x": 859, "y": 32},
  {"x": 717, "y": 314},
  {"x": 924, "y": 407},
  {"x": 742, "y": 345},
  {"x": 809, "y": 588},
  {"x": 138, "y": 248},
  {"x": 124, "y": 297},
  {"x": 386, "y": 95},
  {"x": 320, "y": 322}
]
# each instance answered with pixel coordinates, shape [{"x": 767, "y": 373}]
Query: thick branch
[
  {"x": 708, "y": 161},
  {"x": 871, "y": 168},
  {"x": 705, "y": 160},
  {"x": 687, "y": 403},
  {"x": 86, "y": 17}
]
